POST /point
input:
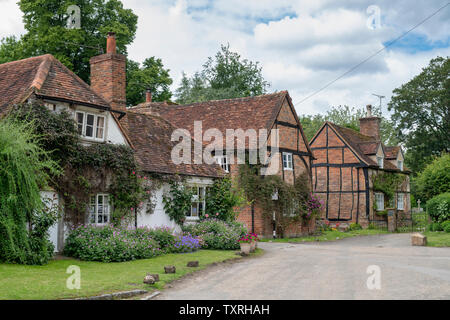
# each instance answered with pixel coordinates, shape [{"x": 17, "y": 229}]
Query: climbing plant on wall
[{"x": 88, "y": 169}]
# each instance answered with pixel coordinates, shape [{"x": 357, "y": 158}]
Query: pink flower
[
  {"x": 217, "y": 214},
  {"x": 207, "y": 215}
]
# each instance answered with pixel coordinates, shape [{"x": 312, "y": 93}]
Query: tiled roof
[
  {"x": 151, "y": 137},
  {"x": 392, "y": 152},
  {"x": 365, "y": 145},
  {"x": 257, "y": 113},
  {"x": 45, "y": 76}
]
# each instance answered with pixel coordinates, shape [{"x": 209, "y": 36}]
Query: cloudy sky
[{"x": 301, "y": 45}]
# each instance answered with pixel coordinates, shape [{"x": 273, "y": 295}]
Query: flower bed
[
  {"x": 111, "y": 244},
  {"x": 218, "y": 234}
]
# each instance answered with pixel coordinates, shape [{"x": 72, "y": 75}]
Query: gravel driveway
[{"x": 326, "y": 270}]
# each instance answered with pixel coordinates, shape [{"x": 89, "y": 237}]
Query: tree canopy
[
  {"x": 151, "y": 75},
  {"x": 225, "y": 76},
  {"x": 422, "y": 115},
  {"x": 46, "y": 32},
  {"x": 433, "y": 180}
]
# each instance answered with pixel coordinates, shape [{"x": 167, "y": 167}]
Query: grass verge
[
  {"x": 438, "y": 239},
  {"x": 330, "y": 236},
  {"x": 49, "y": 281}
]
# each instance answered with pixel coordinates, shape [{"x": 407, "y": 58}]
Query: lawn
[
  {"x": 331, "y": 236},
  {"x": 49, "y": 281},
  {"x": 438, "y": 239}
]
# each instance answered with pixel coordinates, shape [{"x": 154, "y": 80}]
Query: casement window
[
  {"x": 400, "y": 201},
  {"x": 380, "y": 162},
  {"x": 287, "y": 161},
  {"x": 400, "y": 165},
  {"x": 99, "y": 209},
  {"x": 198, "y": 203},
  {"x": 379, "y": 200},
  {"x": 222, "y": 161},
  {"x": 90, "y": 125}
]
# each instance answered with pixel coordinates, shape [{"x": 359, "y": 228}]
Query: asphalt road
[{"x": 332, "y": 270}]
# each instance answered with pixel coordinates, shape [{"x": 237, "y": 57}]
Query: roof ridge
[
  {"x": 24, "y": 59},
  {"x": 42, "y": 71},
  {"x": 232, "y": 99}
]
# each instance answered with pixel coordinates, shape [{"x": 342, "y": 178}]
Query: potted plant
[
  {"x": 245, "y": 243},
  {"x": 254, "y": 242}
]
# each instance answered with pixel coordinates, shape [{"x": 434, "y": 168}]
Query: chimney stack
[
  {"x": 108, "y": 75},
  {"x": 148, "y": 95},
  {"x": 370, "y": 125}
]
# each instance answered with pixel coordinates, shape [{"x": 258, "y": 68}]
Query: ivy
[
  {"x": 177, "y": 201},
  {"x": 293, "y": 202},
  {"x": 387, "y": 183},
  {"x": 222, "y": 198},
  {"x": 88, "y": 169}
]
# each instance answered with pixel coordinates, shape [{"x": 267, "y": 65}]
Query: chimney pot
[
  {"x": 148, "y": 96},
  {"x": 369, "y": 110},
  {"x": 111, "y": 43}
]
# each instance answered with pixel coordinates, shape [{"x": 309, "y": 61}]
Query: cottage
[
  {"x": 100, "y": 114},
  {"x": 351, "y": 173},
  {"x": 249, "y": 114}
]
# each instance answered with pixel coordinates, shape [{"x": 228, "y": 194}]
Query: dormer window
[
  {"x": 380, "y": 162},
  {"x": 222, "y": 161},
  {"x": 90, "y": 125},
  {"x": 400, "y": 165}
]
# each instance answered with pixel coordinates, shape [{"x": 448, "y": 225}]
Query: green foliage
[
  {"x": 221, "y": 199},
  {"x": 354, "y": 226},
  {"x": 218, "y": 234},
  {"x": 224, "y": 76},
  {"x": 434, "y": 226},
  {"x": 25, "y": 169},
  {"x": 109, "y": 244},
  {"x": 446, "y": 226},
  {"x": 46, "y": 32},
  {"x": 88, "y": 170},
  {"x": 421, "y": 113},
  {"x": 434, "y": 179},
  {"x": 347, "y": 117},
  {"x": 438, "y": 207},
  {"x": 295, "y": 202},
  {"x": 177, "y": 202},
  {"x": 388, "y": 183},
  {"x": 151, "y": 75}
]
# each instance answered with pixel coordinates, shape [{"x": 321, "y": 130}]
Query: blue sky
[{"x": 301, "y": 45}]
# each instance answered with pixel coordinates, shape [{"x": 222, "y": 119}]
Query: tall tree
[
  {"x": 152, "y": 75},
  {"x": 47, "y": 32},
  {"x": 421, "y": 113},
  {"x": 224, "y": 76}
]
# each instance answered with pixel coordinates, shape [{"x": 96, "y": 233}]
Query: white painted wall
[{"x": 51, "y": 199}]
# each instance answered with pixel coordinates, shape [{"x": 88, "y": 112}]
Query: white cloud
[{"x": 301, "y": 45}]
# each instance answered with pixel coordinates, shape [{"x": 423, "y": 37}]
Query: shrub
[
  {"x": 354, "y": 226},
  {"x": 218, "y": 234},
  {"x": 439, "y": 207},
  {"x": 434, "y": 179},
  {"x": 222, "y": 198},
  {"x": 446, "y": 226},
  {"x": 434, "y": 226},
  {"x": 371, "y": 226},
  {"x": 163, "y": 235}
]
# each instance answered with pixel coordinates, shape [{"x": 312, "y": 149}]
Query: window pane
[
  {"x": 100, "y": 127},
  {"x": 80, "y": 119},
  {"x": 89, "y": 125},
  {"x": 194, "y": 212}
]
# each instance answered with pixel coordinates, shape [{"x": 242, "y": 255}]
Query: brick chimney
[
  {"x": 148, "y": 95},
  {"x": 370, "y": 125},
  {"x": 108, "y": 75}
]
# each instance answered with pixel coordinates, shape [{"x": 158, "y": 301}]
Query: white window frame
[
  {"x": 400, "y": 165},
  {"x": 222, "y": 160},
  {"x": 95, "y": 126},
  {"x": 379, "y": 200},
  {"x": 288, "y": 159},
  {"x": 400, "y": 200},
  {"x": 197, "y": 203},
  {"x": 380, "y": 162},
  {"x": 94, "y": 209}
]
